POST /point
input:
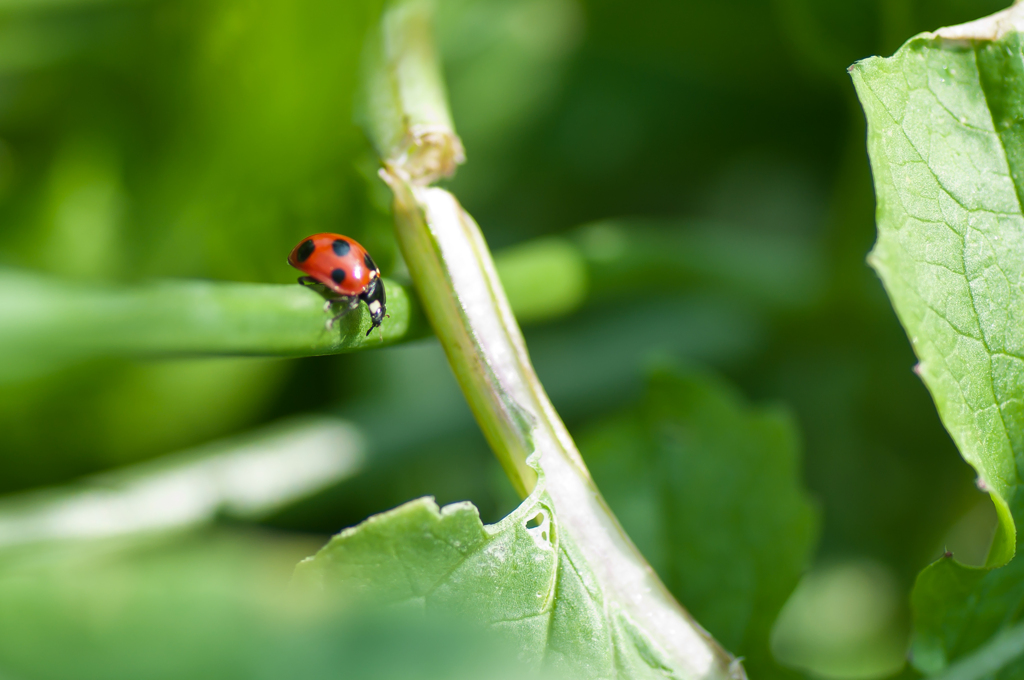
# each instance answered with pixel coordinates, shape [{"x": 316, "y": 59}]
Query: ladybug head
[{"x": 373, "y": 296}]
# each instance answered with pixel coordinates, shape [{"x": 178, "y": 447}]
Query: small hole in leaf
[{"x": 536, "y": 521}]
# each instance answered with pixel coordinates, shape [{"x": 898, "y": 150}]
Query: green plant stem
[
  {"x": 46, "y": 322},
  {"x": 463, "y": 298},
  {"x": 405, "y": 103}
]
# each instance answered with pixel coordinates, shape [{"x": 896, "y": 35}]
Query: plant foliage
[{"x": 946, "y": 141}]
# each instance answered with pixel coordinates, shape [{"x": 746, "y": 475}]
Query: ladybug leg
[
  {"x": 329, "y": 304},
  {"x": 307, "y": 281},
  {"x": 350, "y": 304}
]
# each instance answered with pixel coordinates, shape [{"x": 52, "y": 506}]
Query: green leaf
[
  {"x": 523, "y": 576},
  {"x": 946, "y": 139},
  {"x": 963, "y": 613},
  {"x": 710, "y": 490}
]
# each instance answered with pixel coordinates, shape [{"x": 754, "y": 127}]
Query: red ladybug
[{"x": 343, "y": 266}]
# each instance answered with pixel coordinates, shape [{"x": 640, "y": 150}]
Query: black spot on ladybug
[
  {"x": 338, "y": 275},
  {"x": 305, "y": 250},
  {"x": 341, "y": 247},
  {"x": 369, "y": 262}
]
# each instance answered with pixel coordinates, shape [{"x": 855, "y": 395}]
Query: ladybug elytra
[{"x": 343, "y": 267}]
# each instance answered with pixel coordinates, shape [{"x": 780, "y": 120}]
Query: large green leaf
[
  {"x": 710, "y": 490},
  {"x": 946, "y": 139},
  {"x": 523, "y": 576},
  {"x": 946, "y": 142}
]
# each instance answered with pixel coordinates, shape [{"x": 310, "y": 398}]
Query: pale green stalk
[{"x": 462, "y": 296}]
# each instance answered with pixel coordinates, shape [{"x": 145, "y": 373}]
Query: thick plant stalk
[
  {"x": 406, "y": 105},
  {"x": 462, "y": 296},
  {"x": 463, "y": 299}
]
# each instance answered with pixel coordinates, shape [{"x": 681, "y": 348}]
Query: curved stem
[{"x": 463, "y": 298}]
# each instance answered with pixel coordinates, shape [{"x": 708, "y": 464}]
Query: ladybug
[{"x": 342, "y": 266}]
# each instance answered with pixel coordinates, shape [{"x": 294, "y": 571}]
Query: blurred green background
[{"x": 703, "y": 161}]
